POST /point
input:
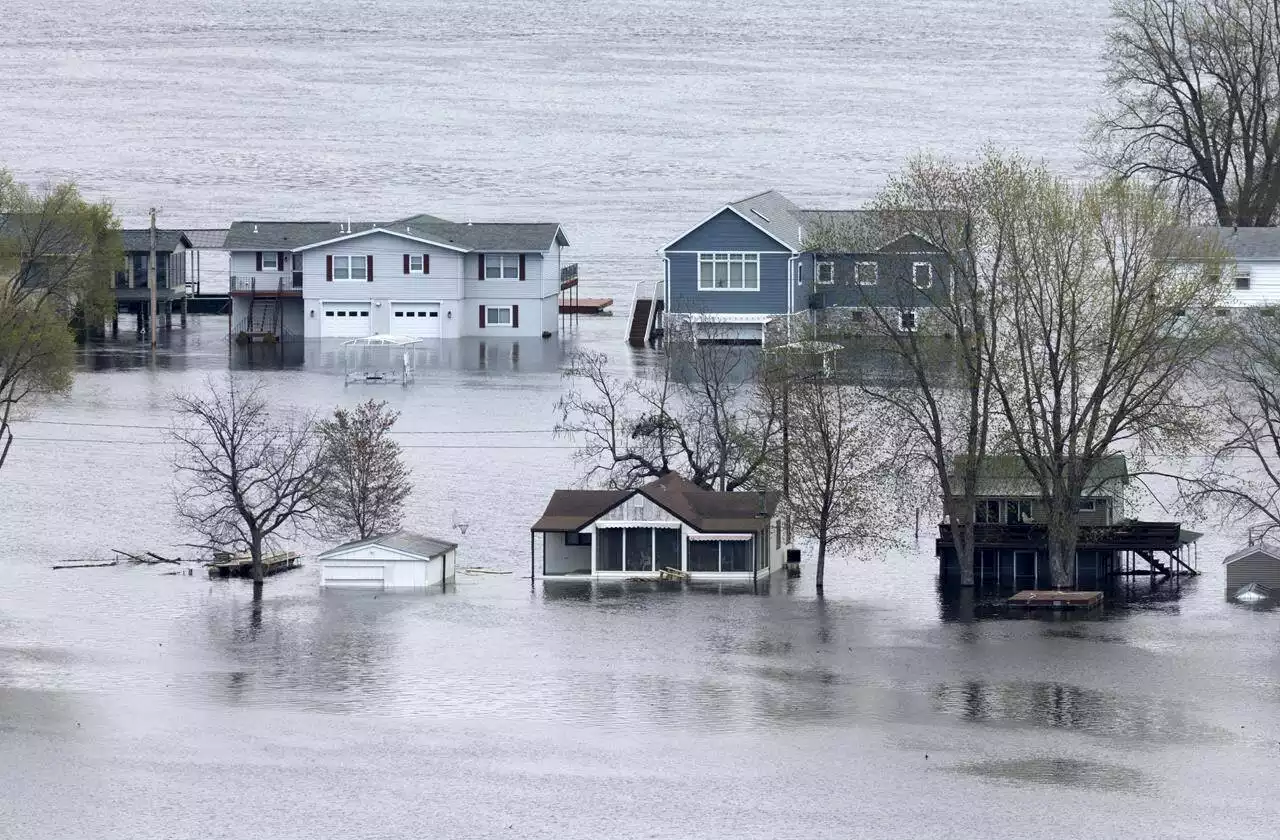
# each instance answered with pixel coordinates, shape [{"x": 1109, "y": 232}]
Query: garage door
[
  {"x": 356, "y": 576},
  {"x": 421, "y": 320},
  {"x": 345, "y": 320}
]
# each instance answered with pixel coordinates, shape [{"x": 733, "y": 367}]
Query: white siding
[
  {"x": 363, "y": 567},
  {"x": 564, "y": 559},
  {"x": 443, "y": 282},
  {"x": 244, "y": 267},
  {"x": 639, "y": 509},
  {"x": 551, "y": 271},
  {"x": 1264, "y": 285}
]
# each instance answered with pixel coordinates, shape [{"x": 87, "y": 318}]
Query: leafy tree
[
  {"x": 366, "y": 481},
  {"x": 57, "y": 256},
  {"x": 1196, "y": 85}
]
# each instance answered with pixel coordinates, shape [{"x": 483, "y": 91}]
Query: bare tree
[
  {"x": 366, "y": 481},
  {"x": 961, "y": 214},
  {"x": 1240, "y": 477},
  {"x": 1099, "y": 339},
  {"x": 847, "y": 475},
  {"x": 706, "y": 414},
  {"x": 57, "y": 255},
  {"x": 1197, "y": 101},
  {"x": 245, "y": 478}
]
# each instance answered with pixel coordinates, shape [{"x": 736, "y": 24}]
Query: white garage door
[
  {"x": 356, "y": 575},
  {"x": 345, "y": 320},
  {"x": 421, "y": 320}
]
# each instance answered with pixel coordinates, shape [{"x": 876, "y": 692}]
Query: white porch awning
[{"x": 719, "y": 537}]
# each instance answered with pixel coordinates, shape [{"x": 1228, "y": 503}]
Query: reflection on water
[{"x": 1068, "y": 772}]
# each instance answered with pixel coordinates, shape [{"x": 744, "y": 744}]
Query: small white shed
[{"x": 402, "y": 560}]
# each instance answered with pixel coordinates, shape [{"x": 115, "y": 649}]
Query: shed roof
[
  {"x": 705, "y": 510},
  {"x": 1262, "y": 549},
  {"x": 139, "y": 239},
  {"x": 406, "y": 541}
]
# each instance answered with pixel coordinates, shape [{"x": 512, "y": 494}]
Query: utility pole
[{"x": 151, "y": 280}]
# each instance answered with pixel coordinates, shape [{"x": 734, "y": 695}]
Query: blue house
[{"x": 763, "y": 260}]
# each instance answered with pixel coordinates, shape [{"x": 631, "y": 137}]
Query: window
[
  {"x": 720, "y": 556},
  {"x": 922, "y": 275},
  {"x": 269, "y": 262},
  {"x": 346, "y": 267},
  {"x": 866, "y": 273},
  {"x": 502, "y": 266},
  {"x": 907, "y": 320},
  {"x": 609, "y": 550},
  {"x": 703, "y": 556},
  {"x": 497, "y": 316},
  {"x": 729, "y": 272},
  {"x": 666, "y": 548},
  {"x": 826, "y": 273},
  {"x": 415, "y": 263},
  {"x": 1242, "y": 279},
  {"x": 986, "y": 511},
  {"x": 578, "y": 538},
  {"x": 1017, "y": 511},
  {"x": 1087, "y": 505}
]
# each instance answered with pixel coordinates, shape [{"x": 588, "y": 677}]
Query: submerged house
[
  {"x": 762, "y": 260},
  {"x": 419, "y": 276},
  {"x": 1255, "y": 569},
  {"x": 402, "y": 560},
  {"x": 1011, "y": 540},
  {"x": 668, "y": 523},
  {"x": 131, "y": 287}
]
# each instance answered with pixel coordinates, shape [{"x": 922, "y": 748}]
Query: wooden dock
[
  {"x": 585, "y": 306},
  {"x": 241, "y": 565},
  {"x": 1056, "y": 599}
]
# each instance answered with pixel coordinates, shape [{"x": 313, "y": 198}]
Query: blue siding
[
  {"x": 770, "y": 300},
  {"x": 727, "y": 231},
  {"x": 894, "y": 287}
]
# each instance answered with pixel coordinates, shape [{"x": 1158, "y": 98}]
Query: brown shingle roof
[{"x": 705, "y": 510}]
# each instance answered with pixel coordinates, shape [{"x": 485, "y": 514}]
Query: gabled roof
[
  {"x": 407, "y": 235},
  {"x": 459, "y": 236},
  {"x": 1007, "y": 475},
  {"x": 863, "y": 231},
  {"x": 139, "y": 239},
  {"x": 772, "y": 212},
  {"x": 211, "y": 238},
  {"x": 704, "y": 510},
  {"x": 284, "y": 236},
  {"x": 405, "y": 541},
  {"x": 1265, "y": 549},
  {"x": 1249, "y": 244}
]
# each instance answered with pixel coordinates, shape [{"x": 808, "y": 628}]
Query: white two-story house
[
  {"x": 420, "y": 276},
  {"x": 1252, "y": 264}
]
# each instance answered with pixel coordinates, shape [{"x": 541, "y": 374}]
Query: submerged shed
[
  {"x": 403, "y": 560},
  {"x": 1257, "y": 564}
]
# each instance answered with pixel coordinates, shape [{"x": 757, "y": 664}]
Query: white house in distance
[
  {"x": 669, "y": 522},
  {"x": 420, "y": 276},
  {"x": 402, "y": 560},
  {"x": 1253, "y": 274}
]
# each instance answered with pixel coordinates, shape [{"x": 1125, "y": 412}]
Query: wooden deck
[
  {"x": 1056, "y": 599},
  {"x": 240, "y": 565},
  {"x": 585, "y": 306}
]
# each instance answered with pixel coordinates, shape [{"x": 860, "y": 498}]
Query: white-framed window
[
  {"x": 269, "y": 261},
  {"x": 826, "y": 273},
  {"x": 502, "y": 266},
  {"x": 907, "y": 320},
  {"x": 415, "y": 264},
  {"x": 922, "y": 274},
  {"x": 350, "y": 268},
  {"x": 1243, "y": 280},
  {"x": 497, "y": 316},
  {"x": 866, "y": 273},
  {"x": 728, "y": 272}
]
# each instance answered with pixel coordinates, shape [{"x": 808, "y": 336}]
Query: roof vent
[
  {"x": 255, "y": 227},
  {"x": 761, "y": 215}
]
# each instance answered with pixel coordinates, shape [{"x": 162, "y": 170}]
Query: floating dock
[
  {"x": 585, "y": 306},
  {"x": 241, "y": 565},
  {"x": 1056, "y": 599}
]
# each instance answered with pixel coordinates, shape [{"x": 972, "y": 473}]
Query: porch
[{"x": 630, "y": 551}]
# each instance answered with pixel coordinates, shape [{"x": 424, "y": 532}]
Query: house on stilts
[{"x": 1011, "y": 546}]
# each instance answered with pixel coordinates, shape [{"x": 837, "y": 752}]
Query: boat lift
[{"x": 379, "y": 358}]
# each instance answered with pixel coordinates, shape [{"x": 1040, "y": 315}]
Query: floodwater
[{"x": 135, "y": 704}]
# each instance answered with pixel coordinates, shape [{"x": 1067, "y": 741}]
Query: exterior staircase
[
  {"x": 263, "y": 316},
  {"x": 646, "y": 306}
]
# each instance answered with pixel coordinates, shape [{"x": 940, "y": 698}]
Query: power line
[
  {"x": 402, "y": 446},
  {"x": 85, "y": 424}
]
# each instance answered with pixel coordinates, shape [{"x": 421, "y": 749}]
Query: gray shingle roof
[
  {"x": 139, "y": 239},
  {"x": 1264, "y": 549},
  {"x": 479, "y": 236},
  {"x": 406, "y": 541},
  {"x": 1007, "y": 475},
  {"x": 705, "y": 510},
  {"x": 211, "y": 238},
  {"x": 775, "y": 213},
  {"x": 1260, "y": 244}
]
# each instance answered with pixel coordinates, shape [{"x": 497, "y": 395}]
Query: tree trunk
[
  {"x": 963, "y": 537},
  {"x": 255, "y": 568},
  {"x": 1062, "y": 560},
  {"x": 822, "y": 563}
]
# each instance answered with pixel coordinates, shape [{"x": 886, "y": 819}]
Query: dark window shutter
[
  {"x": 369, "y": 263},
  {"x": 328, "y": 268},
  {"x": 480, "y": 260},
  {"x": 426, "y": 263},
  {"x": 259, "y": 253},
  {"x": 515, "y": 313},
  {"x": 522, "y": 266},
  {"x": 279, "y": 260},
  {"x": 406, "y": 263},
  {"x": 482, "y": 317}
]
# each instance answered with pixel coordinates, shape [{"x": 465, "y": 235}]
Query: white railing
[{"x": 650, "y": 290}]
